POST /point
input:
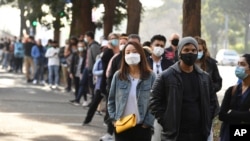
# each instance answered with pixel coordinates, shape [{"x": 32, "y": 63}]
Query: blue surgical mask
[
  {"x": 200, "y": 54},
  {"x": 115, "y": 42},
  {"x": 240, "y": 72}
]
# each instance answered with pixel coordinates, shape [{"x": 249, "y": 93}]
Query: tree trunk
[
  {"x": 22, "y": 19},
  {"x": 109, "y": 14},
  {"x": 191, "y": 18},
  {"x": 57, "y": 26},
  {"x": 247, "y": 49},
  {"x": 81, "y": 17},
  {"x": 134, "y": 16}
]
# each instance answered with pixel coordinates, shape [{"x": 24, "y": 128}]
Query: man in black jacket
[{"x": 183, "y": 100}]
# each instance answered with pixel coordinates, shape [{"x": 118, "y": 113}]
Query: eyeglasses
[{"x": 157, "y": 68}]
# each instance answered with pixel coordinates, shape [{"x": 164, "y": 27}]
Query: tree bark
[
  {"x": 191, "y": 18},
  {"x": 134, "y": 8},
  {"x": 22, "y": 18},
  {"x": 247, "y": 49},
  {"x": 109, "y": 14},
  {"x": 57, "y": 26},
  {"x": 81, "y": 17}
]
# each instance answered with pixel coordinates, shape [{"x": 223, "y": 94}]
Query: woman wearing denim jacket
[{"x": 130, "y": 92}]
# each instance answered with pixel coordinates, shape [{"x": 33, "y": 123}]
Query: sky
[
  {"x": 149, "y": 4},
  {"x": 10, "y": 18}
]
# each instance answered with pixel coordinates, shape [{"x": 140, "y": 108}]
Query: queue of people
[{"x": 171, "y": 91}]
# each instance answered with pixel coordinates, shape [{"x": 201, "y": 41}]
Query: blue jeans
[
  {"x": 6, "y": 60},
  {"x": 54, "y": 71},
  {"x": 83, "y": 89},
  {"x": 39, "y": 70}
]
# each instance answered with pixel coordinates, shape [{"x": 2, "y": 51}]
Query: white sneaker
[
  {"x": 42, "y": 82},
  {"x": 34, "y": 81},
  {"x": 55, "y": 87},
  {"x": 107, "y": 137},
  {"x": 85, "y": 103}
]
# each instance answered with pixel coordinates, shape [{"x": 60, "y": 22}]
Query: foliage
[
  {"x": 216, "y": 128},
  {"x": 239, "y": 47},
  {"x": 120, "y": 13},
  {"x": 240, "y": 11},
  {"x": 56, "y": 9},
  {"x": 4, "y": 2}
]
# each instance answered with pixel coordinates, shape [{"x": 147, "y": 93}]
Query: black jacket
[
  {"x": 239, "y": 114},
  {"x": 166, "y": 100},
  {"x": 213, "y": 71},
  {"x": 74, "y": 63},
  {"x": 107, "y": 55},
  {"x": 164, "y": 63}
]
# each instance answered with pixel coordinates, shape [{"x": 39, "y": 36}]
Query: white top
[
  {"x": 78, "y": 71},
  {"x": 52, "y": 55},
  {"x": 131, "y": 106},
  {"x": 157, "y": 69}
]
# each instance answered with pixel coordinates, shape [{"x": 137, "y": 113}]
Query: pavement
[{"x": 37, "y": 113}]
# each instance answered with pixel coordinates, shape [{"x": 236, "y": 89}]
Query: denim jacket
[{"x": 118, "y": 97}]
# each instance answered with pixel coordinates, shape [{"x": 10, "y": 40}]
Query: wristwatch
[{"x": 229, "y": 111}]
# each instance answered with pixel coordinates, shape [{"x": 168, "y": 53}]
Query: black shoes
[{"x": 74, "y": 102}]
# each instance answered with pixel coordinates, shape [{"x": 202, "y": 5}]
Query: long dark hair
[
  {"x": 206, "y": 54},
  {"x": 143, "y": 65}
]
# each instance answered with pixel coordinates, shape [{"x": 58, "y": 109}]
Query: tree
[
  {"x": 241, "y": 11},
  {"x": 57, "y": 10},
  {"x": 191, "y": 18},
  {"x": 134, "y": 9},
  {"x": 81, "y": 17},
  {"x": 109, "y": 15},
  {"x": 213, "y": 21}
]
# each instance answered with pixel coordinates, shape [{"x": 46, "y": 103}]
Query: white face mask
[
  {"x": 121, "y": 47},
  {"x": 132, "y": 58},
  {"x": 80, "y": 49},
  {"x": 158, "y": 51}
]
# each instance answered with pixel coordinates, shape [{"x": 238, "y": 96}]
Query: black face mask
[
  {"x": 189, "y": 58},
  {"x": 175, "y": 42}
]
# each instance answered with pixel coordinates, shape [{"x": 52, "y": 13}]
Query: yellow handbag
[{"x": 125, "y": 123}]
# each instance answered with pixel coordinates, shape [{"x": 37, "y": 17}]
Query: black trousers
[
  {"x": 110, "y": 126},
  {"x": 18, "y": 64},
  {"x": 196, "y": 136},
  {"x": 93, "y": 106},
  {"x": 69, "y": 82},
  {"x": 77, "y": 85},
  {"x": 137, "y": 133}
]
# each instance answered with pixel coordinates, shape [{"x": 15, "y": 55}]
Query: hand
[
  {"x": 80, "y": 77},
  {"x": 113, "y": 122},
  {"x": 144, "y": 126},
  {"x": 71, "y": 75}
]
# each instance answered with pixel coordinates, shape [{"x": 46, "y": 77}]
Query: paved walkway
[{"x": 36, "y": 113}]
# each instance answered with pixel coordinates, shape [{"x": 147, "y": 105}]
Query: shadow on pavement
[{"x": 33, "y": 109}]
